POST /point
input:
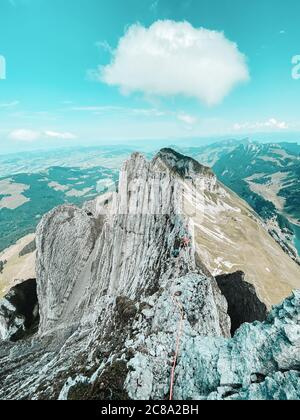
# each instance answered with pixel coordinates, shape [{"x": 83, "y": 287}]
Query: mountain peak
[{"x": 185, "y": 166}]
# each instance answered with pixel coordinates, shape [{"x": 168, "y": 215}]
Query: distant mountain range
[{"x": 267, "y": 176}]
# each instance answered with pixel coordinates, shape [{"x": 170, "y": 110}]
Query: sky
[{"x": 82, "y": 72}]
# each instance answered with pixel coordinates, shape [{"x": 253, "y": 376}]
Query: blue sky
[{"x": 56, "y": 93}]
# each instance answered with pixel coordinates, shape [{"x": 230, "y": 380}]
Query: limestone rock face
[
  {"x": 120, "y": 282},
  {"x": 128, "y": 245},
  {"x": 187, "y": 167},
  {"x": 204, "y": 312},
  {"x": 65, "y": 238},
  {"x": 262, "y": 361}
]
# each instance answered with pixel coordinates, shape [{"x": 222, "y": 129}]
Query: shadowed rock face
[
  {"x": 28, "y": 249},
  {"x": 113, "y": 280},
  {"x": 19, "y": 314},
  {"x": 2, "y": 264},
  {"x": 243, "y": 303}
]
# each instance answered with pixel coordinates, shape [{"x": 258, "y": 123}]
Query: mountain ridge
[{"x": 110, "y": 279}]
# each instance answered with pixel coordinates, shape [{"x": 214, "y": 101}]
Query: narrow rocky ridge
[{"x": 110, "y": 278}]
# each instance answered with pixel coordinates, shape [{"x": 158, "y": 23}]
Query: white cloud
[
  {"x": 173, "y": 58},
  {"x": 272, "y": 123},
  {"x": 146, "y": 112},
  {"x": 282, "y": 125},
  {"x": 9, "y": 104},
  {"x": 60, "y": 135},
  {"x": 187, "y": 119},
  {"x": 92, "y": 108},
  {"x": 24, "y": 135},
  {"x": 27, "y": 135}
]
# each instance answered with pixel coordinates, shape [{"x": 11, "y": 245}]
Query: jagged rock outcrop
[
  {"x": 19, "y": 312},
  {"x": 187, "y": 168},
  {"x": 131, "y": 246},
  {"x": 261, "y": 361},
  {"x": 120, "y": 281},
  {"x": 243, "y": 302}
]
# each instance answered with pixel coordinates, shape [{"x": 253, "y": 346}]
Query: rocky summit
[{"x": 126, "y": 286}]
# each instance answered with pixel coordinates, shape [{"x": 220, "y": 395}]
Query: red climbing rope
[{"x": 179, "y": 335}]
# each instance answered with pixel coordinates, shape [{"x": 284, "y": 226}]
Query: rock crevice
[
  {"x": 19, "y": 312},
  {"x": 243, "y": 302}
]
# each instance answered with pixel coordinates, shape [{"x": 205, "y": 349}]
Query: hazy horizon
[{"x": 112, "y": 72}]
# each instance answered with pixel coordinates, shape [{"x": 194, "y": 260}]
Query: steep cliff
[
  {"x": 228, "y": 235},
  {"x": 121, "y": 281},
  {"x": 127, "y": 247}
]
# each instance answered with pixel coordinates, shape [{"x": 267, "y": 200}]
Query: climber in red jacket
[
  {"x": 182, "y": 243},
  {"x": 186, "y": 241}
]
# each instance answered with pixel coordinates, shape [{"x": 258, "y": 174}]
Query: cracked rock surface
[{"x": 113, "y": 281}]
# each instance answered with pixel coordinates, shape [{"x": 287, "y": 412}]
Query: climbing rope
[{"x": 179, "y": 335}]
